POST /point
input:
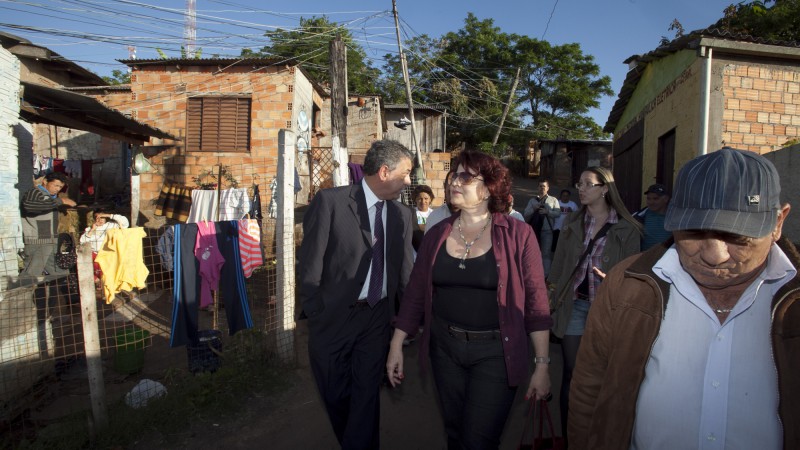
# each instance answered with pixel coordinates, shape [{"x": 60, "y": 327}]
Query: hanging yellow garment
[{"x": 122, "y": 261}]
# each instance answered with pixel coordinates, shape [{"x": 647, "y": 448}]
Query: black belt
[
  {"x": 467, "y": 335},
  {"x": 580, "y": 296},
  {"x": 364, "y": 302}
]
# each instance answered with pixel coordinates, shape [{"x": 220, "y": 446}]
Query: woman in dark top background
[{"x": 478, "y": 287}]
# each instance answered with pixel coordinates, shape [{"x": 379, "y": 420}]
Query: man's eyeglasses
[
  {"x": 580, "y": 185},
  {"x": 464, "y": 178}
]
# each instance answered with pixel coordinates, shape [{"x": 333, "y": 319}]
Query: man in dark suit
[{"x": 355, "y": 260}]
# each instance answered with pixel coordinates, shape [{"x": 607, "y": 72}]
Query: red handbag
[{"x": 540, "y": 442}]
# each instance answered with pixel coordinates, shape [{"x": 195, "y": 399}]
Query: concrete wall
[
  {"x": 787, "y": 161},
  {"x": 10, "y": 223},
  {"x": 666, "y": 98}
]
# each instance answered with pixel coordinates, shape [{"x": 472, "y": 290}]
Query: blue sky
[{"x": 97, "y": 33}]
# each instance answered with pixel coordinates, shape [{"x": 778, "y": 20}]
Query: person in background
[
  {"x": 356, "y": 257},
  {"x": 567, "y": 207},
  {"x": 478, "y": 288},
  {"x": 39, "y": 211},
  {"x": 594, "y": 239},
  {"x": 423, "y": 196},
  {"x": 96, "y": 234},
  {"x": 541, "y": 212},
  {"x": 652, "y": 216},
  {"x": 443, "y": 211},
  {"x": 513, "y": 212},
  {"x": 694, "y": 343}
]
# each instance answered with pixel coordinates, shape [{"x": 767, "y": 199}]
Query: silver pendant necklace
[{"x": 468, "y": 245}]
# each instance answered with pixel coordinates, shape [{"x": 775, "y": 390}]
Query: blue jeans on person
[{"x": 473, "y": 389}]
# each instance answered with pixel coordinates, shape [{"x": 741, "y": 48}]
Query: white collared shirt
[
  {"x": 709, "y": 385},
  {"x": 372, "y": 199}
]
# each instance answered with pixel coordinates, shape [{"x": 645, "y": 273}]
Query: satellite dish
[
  {"x": 301, "y": 145},
  {"x": 302, "y": 121},
  {"x": 141, "y": 164}
]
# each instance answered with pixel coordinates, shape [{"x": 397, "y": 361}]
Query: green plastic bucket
[{"x": 129, "y": 357}]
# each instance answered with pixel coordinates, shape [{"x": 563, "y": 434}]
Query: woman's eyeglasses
[
  {"x": 580, "y": 185},
  {"x": 464, "y": 178}
]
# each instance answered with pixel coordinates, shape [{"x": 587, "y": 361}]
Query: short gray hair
[{"x": 385, "y": 153}]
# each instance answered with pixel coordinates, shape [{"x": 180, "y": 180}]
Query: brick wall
[
  {"x": 158, "y": 97},
  {"x": 364, "y": 124},
  {"x": 761, "y": 106},
  {"x": 436, "y": 166}
]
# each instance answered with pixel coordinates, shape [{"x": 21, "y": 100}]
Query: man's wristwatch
[{"x": 541, "y": 360}]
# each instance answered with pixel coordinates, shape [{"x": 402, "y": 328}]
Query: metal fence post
[{"x": 285, "y": 246}]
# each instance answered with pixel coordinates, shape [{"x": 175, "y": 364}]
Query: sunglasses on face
[{"x": 464, "y": 178}]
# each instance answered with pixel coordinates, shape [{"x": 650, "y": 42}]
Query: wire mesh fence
[{"x": 45, "y": 375}]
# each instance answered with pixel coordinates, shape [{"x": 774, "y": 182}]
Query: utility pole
[
  {"x": 338, "y": 52},
  {"x": 506, "y": 109},
  {"x": 420, "y": 171}
]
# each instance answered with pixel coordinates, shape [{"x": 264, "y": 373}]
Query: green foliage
[
  {"x": 309, "y": 44},
  {"x": 470, "y": 72},
  {"x": 770, "y": 19},
  {"x": 118, "y": 77}
]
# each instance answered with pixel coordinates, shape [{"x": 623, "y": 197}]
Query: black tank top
[{"x": 466, "y": 298}]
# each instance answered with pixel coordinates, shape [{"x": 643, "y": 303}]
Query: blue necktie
[{"x": 375, "y": 292}]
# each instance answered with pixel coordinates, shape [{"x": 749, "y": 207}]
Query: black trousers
[
  {"x": 472, "y": 383},
  {"x": 348, "y": 361}
]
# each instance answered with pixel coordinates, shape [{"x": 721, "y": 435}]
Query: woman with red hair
[{"x": 478, "y": 287}]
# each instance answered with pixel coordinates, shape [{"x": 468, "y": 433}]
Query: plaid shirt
[{"x": 595, "y": 259}]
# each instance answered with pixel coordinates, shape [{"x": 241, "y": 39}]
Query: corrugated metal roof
[
  {"x": 53, "y": 106},
  {"x": 23, "y": 48},
  {"x": 689, "y": 41},
  {"x": 417, "y": 106}
]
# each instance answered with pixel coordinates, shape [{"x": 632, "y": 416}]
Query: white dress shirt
[
  {"x": 709, "y": 385},
  {"x": 372, "y": 199}
]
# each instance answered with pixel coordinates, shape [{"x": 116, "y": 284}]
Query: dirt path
[{"x": 410, "y": 419}]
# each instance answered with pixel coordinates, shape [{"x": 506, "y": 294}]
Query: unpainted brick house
[{"x": 226, "y": 112}]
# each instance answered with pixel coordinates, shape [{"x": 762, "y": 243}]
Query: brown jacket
[{"x": 622, "y": 327}]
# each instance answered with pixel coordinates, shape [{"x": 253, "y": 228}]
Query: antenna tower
[{"x": 190, "y": 28}]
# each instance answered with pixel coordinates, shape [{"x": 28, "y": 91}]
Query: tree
[
  {"x": 118, "y": 77},
  {"x": 470, "y": 72},
  {"x": 780, "y": 21},
  {"x": 308, "y": 45}
]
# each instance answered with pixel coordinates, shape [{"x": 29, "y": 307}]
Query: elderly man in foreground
[{"x": 696, "y": 342}]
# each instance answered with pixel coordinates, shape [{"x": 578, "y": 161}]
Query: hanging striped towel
[{"x": 250, "y": 245}]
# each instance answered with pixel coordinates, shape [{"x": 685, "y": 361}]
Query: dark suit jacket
[{"x": 337, "y": 250}]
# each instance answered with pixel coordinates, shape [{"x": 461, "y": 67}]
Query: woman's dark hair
[
  {"x": 420, "y": 189},
  {"x": 495, "y": 177}
]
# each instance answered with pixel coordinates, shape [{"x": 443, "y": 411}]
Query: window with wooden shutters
[{"x": 218, "y": 124}]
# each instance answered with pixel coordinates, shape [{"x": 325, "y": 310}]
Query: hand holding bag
[{"x": 539, "y": 441}]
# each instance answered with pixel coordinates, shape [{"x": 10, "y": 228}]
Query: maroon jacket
[{"x": 521, "y": 292}]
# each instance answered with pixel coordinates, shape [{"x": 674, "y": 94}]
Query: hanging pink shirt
[{"x": 207, "y": 253}]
